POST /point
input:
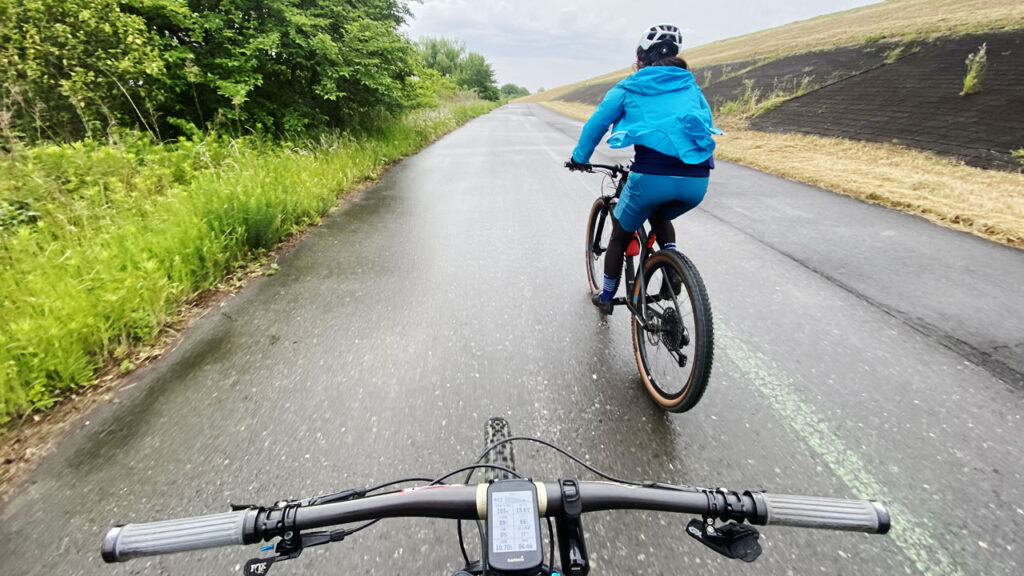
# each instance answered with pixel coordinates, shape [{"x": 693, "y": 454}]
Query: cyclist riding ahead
[{"x": 661, "y": 112}]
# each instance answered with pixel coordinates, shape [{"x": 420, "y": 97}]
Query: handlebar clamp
[
  {"x": 572, "y": 505},
  {"x": 279, "y": 521},
  {"x": 573, "y": 553}
]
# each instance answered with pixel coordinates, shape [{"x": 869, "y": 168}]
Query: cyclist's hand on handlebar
[{"x": 577, "y": 166}]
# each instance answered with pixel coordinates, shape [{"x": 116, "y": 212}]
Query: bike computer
[{"x": 514, "y": 545}]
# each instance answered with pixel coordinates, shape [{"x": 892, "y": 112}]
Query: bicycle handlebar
[
  {"x": 469, "y": 503},
  {"x": 615, "y": 169}
]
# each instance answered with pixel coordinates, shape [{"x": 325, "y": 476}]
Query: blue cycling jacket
[{"x": 660, "y": 107}]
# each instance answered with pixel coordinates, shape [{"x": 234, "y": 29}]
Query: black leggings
[{"x": 616, "y": 254}]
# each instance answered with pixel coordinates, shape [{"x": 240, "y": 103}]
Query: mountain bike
[
  {"x": 673, "y": 334},
  {"x": 508, "y": 509}
]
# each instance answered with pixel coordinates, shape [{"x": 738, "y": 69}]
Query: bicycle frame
[{"x": 636, "y": 308}]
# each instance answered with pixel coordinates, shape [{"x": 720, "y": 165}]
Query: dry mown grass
[
  {"x": 895, "y": 19},
  {"x": 556, "y": 93},
  {"x": 892, "y": 20},
  {"x": 986, "y": 203}
]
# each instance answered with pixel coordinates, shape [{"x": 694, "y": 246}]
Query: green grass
[
  {"x": 893, "y": 54},
  {"x": 755, "y": 101},
  {"x": 101, "y": 244}
]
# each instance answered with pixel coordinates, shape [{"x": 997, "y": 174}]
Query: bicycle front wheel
[
  {"x": 496, "y": 430},
  {"x": 674, "y": 352},
  {"x": 599, "y": 233}
]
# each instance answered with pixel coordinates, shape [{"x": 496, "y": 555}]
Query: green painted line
[{"x": 910, "y": 533}]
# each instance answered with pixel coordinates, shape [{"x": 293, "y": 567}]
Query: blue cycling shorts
[{"x": 646, "y": 192}]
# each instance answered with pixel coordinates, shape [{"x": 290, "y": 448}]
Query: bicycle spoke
[{"x": 668, "y": 344}]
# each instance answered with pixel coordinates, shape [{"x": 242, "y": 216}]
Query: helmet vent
[{"x": 658, "y": 34}]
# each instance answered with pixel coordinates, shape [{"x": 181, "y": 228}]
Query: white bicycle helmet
[{"x": 659, "y": 41}]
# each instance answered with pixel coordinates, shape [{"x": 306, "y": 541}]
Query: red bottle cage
[{"x": 634, "y": 245}]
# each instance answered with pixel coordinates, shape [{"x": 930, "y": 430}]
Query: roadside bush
[
  {"x": 75, "y": 69},
  {"x": 71, "y": 68},
  {"x": 513, "y": 91},
  {"x": 429, "y": 89},
  {"x": 468, "y": 70}
]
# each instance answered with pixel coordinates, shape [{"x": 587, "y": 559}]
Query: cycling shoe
[{"x": 605, "y": 307}]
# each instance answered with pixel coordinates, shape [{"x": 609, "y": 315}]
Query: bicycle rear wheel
[
  {"x": 675, "y": 351},
  {"x": 496, "y": 430},
  {"x": 599, "y": 232}
]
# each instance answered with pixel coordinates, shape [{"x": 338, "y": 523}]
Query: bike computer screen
[{"x": 513, "y": 528}]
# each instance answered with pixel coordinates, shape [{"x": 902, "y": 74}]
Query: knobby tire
[{"x": 701, "y": 333}]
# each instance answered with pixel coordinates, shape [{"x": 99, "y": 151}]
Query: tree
[
  {"x": 74, "y": 68},
  {"x": 470, "y": 70},
  {"x": 283, "y": 65},
  {"x": 514, "y": 91},
  {"x": 71, "y": 68},
  {"x": 442, "y": 54},
  {"x": 475, "y": 73}
]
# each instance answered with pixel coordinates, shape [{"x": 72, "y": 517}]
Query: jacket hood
[{"x": 655, "y": 80}]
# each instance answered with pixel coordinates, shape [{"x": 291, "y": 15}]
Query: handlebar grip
[
  {"x": 148, "y": 539},
  {"x": 828, "y": 513}
]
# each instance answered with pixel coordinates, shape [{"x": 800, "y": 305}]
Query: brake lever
[
  {"x": 290, "y": 549},
  {"x": 260, "y": 566},
  {"x": 732, "y": 540}
]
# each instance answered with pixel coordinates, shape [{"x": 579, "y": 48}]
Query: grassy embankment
[
  {"x": 101, "y": 245},
  {"x": 981, "y": 202}
]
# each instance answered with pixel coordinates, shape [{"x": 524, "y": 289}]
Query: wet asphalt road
[{"x": 860, "y": 352}]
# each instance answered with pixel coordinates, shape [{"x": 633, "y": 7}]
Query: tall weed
[
  {"x": 101, "y": 244},
  {"x": 893, "y": 54},
  {"x": 977, "y": 65},
  {"x": 754, "y": 101}
]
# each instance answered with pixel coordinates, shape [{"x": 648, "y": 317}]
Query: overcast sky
[{"x": 549, "y": 43}]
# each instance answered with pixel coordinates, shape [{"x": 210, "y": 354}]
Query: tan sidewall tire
[{"x": 703, "y": 335}]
